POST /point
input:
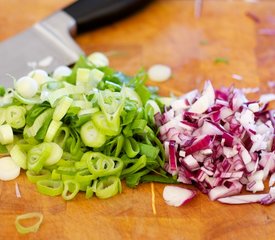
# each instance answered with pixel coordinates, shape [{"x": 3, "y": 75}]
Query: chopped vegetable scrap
[
  {"x": 267, "y": 31},
  {"x": 28, "y": 229},
  {"x": 177, "y": 196},
  {"x": 220, "y": 142},
  {"x": 253, "y": 17},
  {"x": 221, "y": 60},
  {"x": 159, "y": 73},
  {"x": 81, "y": 130}
]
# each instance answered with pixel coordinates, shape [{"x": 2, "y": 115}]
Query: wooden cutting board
[{"x": 165, "y": 32}]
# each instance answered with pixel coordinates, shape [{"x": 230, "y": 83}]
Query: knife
[{"x": 50, "y": 41}]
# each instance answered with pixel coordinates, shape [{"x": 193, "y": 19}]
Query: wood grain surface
[{"x": 167, "y": 32}]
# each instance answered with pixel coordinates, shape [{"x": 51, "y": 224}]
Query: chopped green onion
[
  {"x": 132, "y": 180},
  {"x": 108, "y": 187},
  {"x": 149, "y": 150},
  {"x": 82, "y": 76},
  {"x": 61, "y": 136},
  {"x": 131, "y": 147},
  {"x": 52, "y": 130},
  {"x": 91, "y": 136},
  {"x": 62, "y": 107},
  {"x": 3, "y": 149},
  {"x": 84, "y": 178},
  {"x": 114, "y": 147},
  {"x": 103, "y": 125},
  {"x": 95, "y": 77},
  {"x": 35, "y": 177},
  {"x": 34, "y": 228},
  {"x": 82, "y": 127},
  {"x": 100, "y": 165},
  {"x": 111, "y": 104},
  {"x": 71, "y": 188},
  {"x": 221, "y": 60},
  {"x": 26, "y": 86},
  {"x": 2, "y": 91},
  {"x": 2, "y": 115},
  {"x": 37, "y": 156},
  {"x": 158, "y": 178},
  {"x": 50, "y": 187},
  {"x": 55, "y": 154},
  {"x": 19, "y": 154},
  {"x": 139, "y": 124},
  {"x": 89, "y": 192},
  {"x": 137, "y": 165},
  {"x": 8, "y": 169},
  {"x": 39, "y": 122},
  {"x": 55, "y": 175},
  {"x": 98, "y": 59},
  {"x": 6, "y": 134}
]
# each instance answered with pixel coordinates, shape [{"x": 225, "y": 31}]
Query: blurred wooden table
[{"x": 164, "y": 32}]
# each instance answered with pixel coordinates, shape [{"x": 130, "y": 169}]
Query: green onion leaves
[{"x": 84, "y": 130}]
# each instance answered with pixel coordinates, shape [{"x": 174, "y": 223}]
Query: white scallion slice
[
  {"x": 159, "y": 73},
  {"x": 96, "y": 76},
  {"x": 91, "y": 136},
  {"x": 2, "y": 115},
  {"x": 154, "y": 105},
  {"x": 55, "y": 155},
  {"x": 98, "y": 59},
  {"x": 61, "y": 72},
  {"x": 6, "y": 134},
  {"x": 27, "y": 87},
  {"x": 19, "y": 156},
  {"x": 38, "y": 123},
  {"x": 132, "y": 95},
  {"x": 62, "y": 107},
  {"x": 52, "y": 130},
  {"x": 8, "y": 169},
  {"x": 82, "y": 76},
  {"x": 39, "y": 75}
]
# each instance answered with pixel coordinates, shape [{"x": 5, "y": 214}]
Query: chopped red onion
[
  {"x": 177, "y": 196},
  {"x": 190, "y": 163},
  {"x": 253, "y": 17},
  {"x": 269, "y": 198},
  {"x": 272, "y": 180},
  {"x": 267, "y": 31},
  {"x": 224, "y": 191},
  {"x": 271, "y": 84},
  {"x": 172, "y": 156},
  {"x": 205, "y": 101},
  {"x": 242, "y": 199},
  {"x": 220, "y": 144}
]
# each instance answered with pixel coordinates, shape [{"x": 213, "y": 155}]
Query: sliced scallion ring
[
  {"x": 6, "y": 134},
  {"x": 71, "y": 188},
  {"x": 50, "y": 187},
  {"x": 91, "y": 136},
  {"x": 34, "y": 228},
  {"x": 108, "y": 187},
  {"x": 35, "y": 177},
  {"x": 37, "y": 156}
]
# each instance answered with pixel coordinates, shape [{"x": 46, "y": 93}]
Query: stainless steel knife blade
[{"x": 49, "y": 39}]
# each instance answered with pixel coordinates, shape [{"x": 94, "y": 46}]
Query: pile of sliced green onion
[{"x": 82, "y": 130}]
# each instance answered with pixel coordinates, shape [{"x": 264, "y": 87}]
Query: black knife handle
[{"x": 96, "y": 13}]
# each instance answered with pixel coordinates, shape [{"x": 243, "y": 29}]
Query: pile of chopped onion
[{"x": 220, "y": 142}]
